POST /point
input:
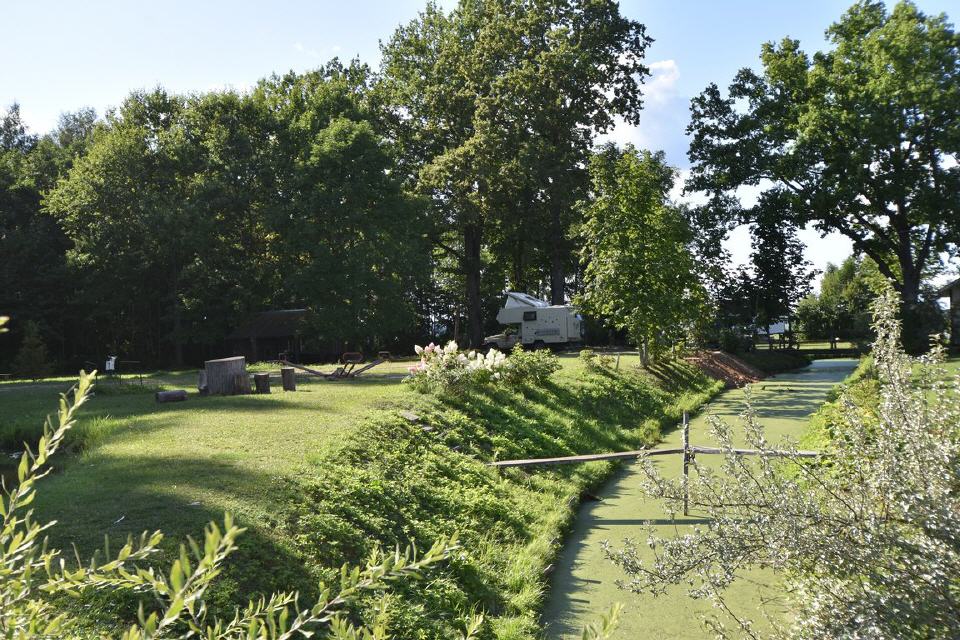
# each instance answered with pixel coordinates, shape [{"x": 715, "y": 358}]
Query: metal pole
[{"x": 686, "y": 463}]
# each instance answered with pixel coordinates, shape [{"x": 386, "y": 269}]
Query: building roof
[
  {"x": 271, "y": 324},
  {"x": 944, "y": 291}
]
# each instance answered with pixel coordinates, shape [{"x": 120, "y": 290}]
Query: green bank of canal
[{"x": 583, "y": 585}]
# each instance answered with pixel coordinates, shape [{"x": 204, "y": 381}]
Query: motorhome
[{"x": 535, "y": 323}]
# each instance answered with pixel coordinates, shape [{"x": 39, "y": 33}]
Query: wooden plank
[
  {"x": 592, "y": 457},
  {"x": 626, "y": 455},
  {"x": 771, "y": 453}
]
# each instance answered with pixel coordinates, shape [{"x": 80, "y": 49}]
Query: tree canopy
[
  {"x": 639, "y": 271},
  {"x": 862, "y": 139}
]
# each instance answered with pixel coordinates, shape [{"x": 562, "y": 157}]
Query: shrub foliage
[{"x": 867, "y": 539}]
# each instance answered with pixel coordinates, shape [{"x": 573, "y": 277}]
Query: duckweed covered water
[{"x": 584, "y": 583}]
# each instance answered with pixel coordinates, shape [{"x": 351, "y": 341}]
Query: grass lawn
[{"x": 321, "y": 475}]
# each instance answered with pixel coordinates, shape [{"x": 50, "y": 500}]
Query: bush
[
  {"x": 529, "y": 367},
  {"x": 450, "y": 370},
  {"x": 595, "y": 362}
]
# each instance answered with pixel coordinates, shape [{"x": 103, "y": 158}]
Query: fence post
[{"x": 686, "y": 463}]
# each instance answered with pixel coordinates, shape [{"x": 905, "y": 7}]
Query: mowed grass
[
  {"x": 325, "y": 474},
  {"x": 141, "y": 465}
]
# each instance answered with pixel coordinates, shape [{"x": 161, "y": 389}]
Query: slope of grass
[{"x": 323, "y": 475}]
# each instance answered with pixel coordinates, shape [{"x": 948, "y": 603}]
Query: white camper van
[{"x": 535, "y": 323}]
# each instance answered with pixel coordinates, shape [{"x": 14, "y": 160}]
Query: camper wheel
[{"x": 538, "y": 345}]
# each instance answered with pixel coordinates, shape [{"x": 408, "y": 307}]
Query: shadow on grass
[{"x": 121, "y": 496}]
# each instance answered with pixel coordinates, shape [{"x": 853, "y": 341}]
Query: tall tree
[
  {"x": 861, "y": 139},
  {"x": 640, "y": 274},
  {"x": 780, "y": 276},
  {"x": 476, "y": 89}
]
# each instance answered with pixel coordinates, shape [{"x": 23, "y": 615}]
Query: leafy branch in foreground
[
  {"x": 30, "y": 572},
  {"x": 867, "y": 539}
]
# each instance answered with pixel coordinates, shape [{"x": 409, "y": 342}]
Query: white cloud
[
  {"x": 663, "y": 81},
  {"x": 313, "y": 53}
]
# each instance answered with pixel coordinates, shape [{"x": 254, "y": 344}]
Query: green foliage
[
  {"x": 393, "y": 480},
  {"x": 33, "y": 572},
  {"x": 32, "y": 360},
  {"x": 596, "y": 362},
  {"x": 855, "y": 139},
  {"x": 638, "y": 270},
  {"x": 842, "y": 308},
  {"x": 862, "y": 537},
  {"x": 495, "y": 106},
  {"x": 529, "y": 367}
]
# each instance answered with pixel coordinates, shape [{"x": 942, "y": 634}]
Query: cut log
[
  {"x": 178, "y": 395},
  {"x": 262, "y": 382},
  {"x": 289, "y": 378},
  {"x": 226, "y": 376},
  {"x": 241, "y": 383}
]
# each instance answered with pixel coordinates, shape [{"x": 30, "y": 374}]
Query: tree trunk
[
  {"x": 558, "y": 279},
  {"x": 472, "y": 242}
]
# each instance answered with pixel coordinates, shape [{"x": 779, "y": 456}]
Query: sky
[{"x": 62, "y": 56}]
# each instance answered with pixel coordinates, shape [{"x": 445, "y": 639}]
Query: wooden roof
[
  {"x": 944, "y": 291},
  {"x": 271, "y": 324}
]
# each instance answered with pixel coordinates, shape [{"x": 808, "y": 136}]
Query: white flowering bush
[
  {"x": 867, "y": 539},
  {"x": 449, "y": 369}
]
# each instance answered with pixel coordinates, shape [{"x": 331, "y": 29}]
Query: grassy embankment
[{"x": 323, "y": 475}]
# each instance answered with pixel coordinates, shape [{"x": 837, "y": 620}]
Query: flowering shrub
[{"x": 448, "y": 369}]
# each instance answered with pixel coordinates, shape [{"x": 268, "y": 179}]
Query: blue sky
[{"x": 61, "y": 56}]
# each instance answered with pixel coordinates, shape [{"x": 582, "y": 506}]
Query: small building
[
  {"x": 952, "y": 291},
  {"x": 269, "y": 334}
]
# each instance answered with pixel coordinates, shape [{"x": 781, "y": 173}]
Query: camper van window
[{"x": 529, "y": 316}]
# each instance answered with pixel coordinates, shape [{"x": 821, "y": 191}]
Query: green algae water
[{"x": 583, "y": 586}]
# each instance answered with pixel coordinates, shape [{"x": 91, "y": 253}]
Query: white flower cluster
[{"x": 449, "y": 368}]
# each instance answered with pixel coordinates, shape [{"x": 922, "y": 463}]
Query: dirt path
[{"x": 583, "y": 585}]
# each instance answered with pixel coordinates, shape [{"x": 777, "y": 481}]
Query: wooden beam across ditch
[
  {"x": 688, "y": 450},
  {"x": 627, "y": 455}
]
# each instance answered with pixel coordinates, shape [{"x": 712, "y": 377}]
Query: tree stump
[
  {"x": 288, "y": 377},
  {"x": 241, "y": 383},
  {"x": 262, "y": 382},
  {"x": 226, "y": 376},
  {"x": 178, "y": 395}
]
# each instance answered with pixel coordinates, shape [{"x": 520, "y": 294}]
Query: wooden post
[
  {"x": 262, "y": 382},
  {"x": 686, "y": 463},
  {"x": 617, "y": 368},
  {"x": 288, "y": 377},
  {"x": 241, "y": 383}
]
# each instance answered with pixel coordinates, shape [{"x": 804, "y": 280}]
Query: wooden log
[
  {"x": 627, "y": 455},
  {"x": 223, "y": 376},
  {"x": 178, "y": 395},
  {"x": 289, "y": 378},
  {"x": 262, "y": 382},
  {"x": 241, "y": 383}
]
